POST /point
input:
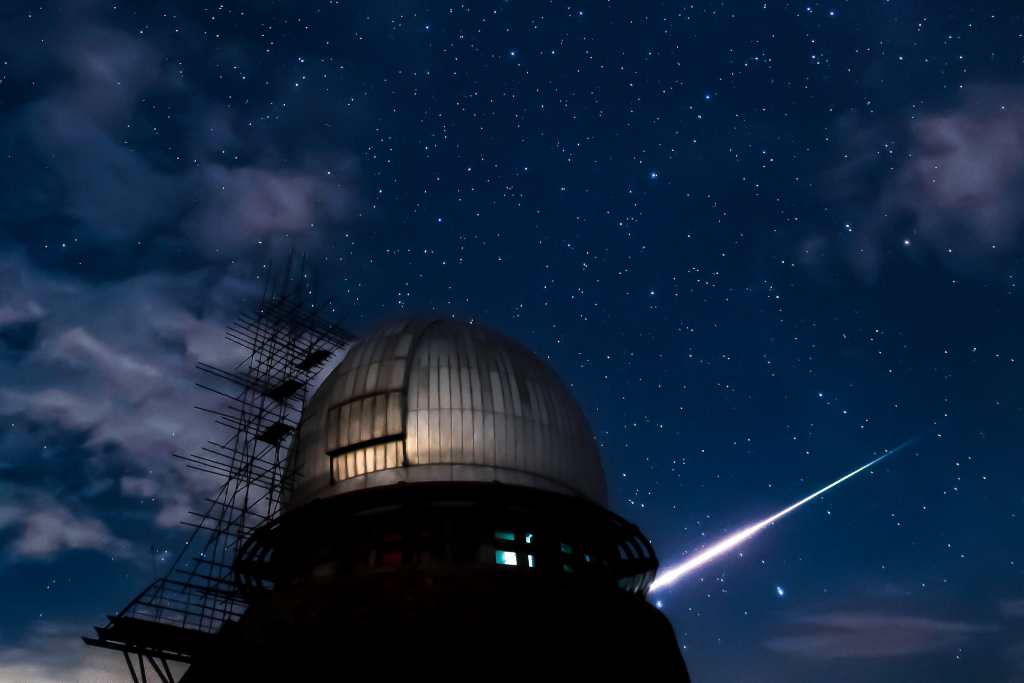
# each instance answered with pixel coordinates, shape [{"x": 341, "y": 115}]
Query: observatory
[{"x": 447, "y": 516}]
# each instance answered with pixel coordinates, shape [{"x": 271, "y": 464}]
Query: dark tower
[{"x": 448, "y": 517}]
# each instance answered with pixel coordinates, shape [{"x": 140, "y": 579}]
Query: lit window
[
  {"x": 586, "y": 558},
  {"x": 567, "y": 568},
  {"x": 529, "y": 538},
  {"x": 529, "y": 560},
  {"x": 505, "y": 535},
  {"x": 566, "y": 549},
  {"x": 507, "y": 557}
]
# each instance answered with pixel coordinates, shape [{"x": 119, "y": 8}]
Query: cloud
[
  {"x": 115, "y": 363},
  {"x": 110, "y": 70},
  {"x": 78, "y": 413},
  {"x": 54, "y": 529},
  {"x": 251, "y": 206},
  {"x": 947, "y": 187},
  {"x": 91, "y": 668},
  {"x": 97, "y": 161},
  {"x": 846, "y": 635},
  {"x": 19, "y": 320},
  {"x": 18, "y": 312},
  {"x": 137, "y": 202},
  {"x": 139, "y": 486},
  {"x": 53, "y": 652},
  {"x": 92, "y": 178},
  {"x": 45, "y": 528},
  {"x": 125, "y": 373}
]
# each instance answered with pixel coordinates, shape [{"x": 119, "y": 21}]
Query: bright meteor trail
[{"x": 735, "y": 539}]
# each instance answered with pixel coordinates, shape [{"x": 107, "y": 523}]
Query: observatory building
[{"x": 447, "y": 517}]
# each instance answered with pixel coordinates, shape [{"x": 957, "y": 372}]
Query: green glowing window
[
  {"x": 505, "y": 536},
  {"x": 566, "y": 549},
  {"x": 568, "y": 568},
  {"x": 507, "y": 557}
]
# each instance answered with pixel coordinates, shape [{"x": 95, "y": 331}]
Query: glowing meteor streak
[{"x": 735, "y": 539}]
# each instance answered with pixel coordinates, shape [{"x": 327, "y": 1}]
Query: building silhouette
[{"x": 446, "y": 516}]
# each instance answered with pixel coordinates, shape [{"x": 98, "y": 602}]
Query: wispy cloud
[
  {"x": 44, "y": 527},
  {"x": 942, "y": 186},
  {"x": 115, "y": 363},
  {"x": 844, "y": 635}
]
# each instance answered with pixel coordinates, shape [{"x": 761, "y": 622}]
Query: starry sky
[{"x": 763, "y": 242}]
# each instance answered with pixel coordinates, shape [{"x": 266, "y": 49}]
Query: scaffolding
[{"x": 288, "y": 342}]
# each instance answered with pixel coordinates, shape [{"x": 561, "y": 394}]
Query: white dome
[{"x": 432, "y": 399}]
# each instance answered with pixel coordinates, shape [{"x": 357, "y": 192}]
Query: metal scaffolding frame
[{"x": 289, "y": 343}]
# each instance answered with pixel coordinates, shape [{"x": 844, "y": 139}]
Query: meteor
[{"x": 730, "y": 542}]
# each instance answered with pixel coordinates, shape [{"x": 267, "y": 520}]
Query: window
[{"x": 508, "y": 557}]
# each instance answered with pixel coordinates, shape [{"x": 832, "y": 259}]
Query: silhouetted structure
[
  {"x": 443, "y": 513},
  {"x": 177, "y": 616},
  {"x": 447, "y": 519}
]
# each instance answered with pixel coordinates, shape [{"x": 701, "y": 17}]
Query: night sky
[{"x": 764, "y": 243}]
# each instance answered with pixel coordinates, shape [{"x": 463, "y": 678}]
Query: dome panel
[{"x": 436, "y": 400}]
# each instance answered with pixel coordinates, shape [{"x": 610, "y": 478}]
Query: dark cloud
[
  {"x": 846, "y": 635},
  {"x": 139, "y": 205},
  {"x": 942, "y": 186},
  {"x": 248, "y": 206},
  {"x": 126, "y": 152}
]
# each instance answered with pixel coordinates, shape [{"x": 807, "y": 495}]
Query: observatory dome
[{"x": 432, "y": 400}]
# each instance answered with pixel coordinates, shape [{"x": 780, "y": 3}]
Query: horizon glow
[{"x": 733, "y": 540}]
